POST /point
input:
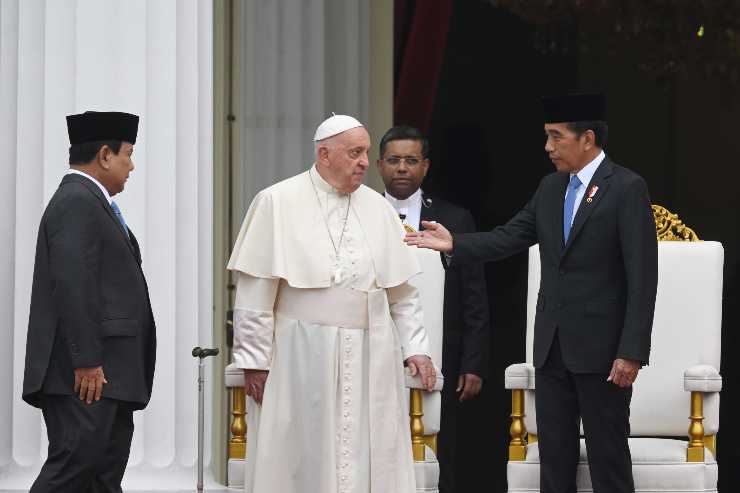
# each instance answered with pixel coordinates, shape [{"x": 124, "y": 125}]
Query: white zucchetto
[{"x": 335, "y": 125}]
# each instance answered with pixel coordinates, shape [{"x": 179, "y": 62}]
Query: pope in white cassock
[{"x": 324, "y": 319}]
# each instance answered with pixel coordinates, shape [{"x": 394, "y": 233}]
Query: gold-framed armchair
[{"x": 676, "y": 395}]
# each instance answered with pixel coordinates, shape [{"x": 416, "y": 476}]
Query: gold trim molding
[{"x": 669, "y": 227}]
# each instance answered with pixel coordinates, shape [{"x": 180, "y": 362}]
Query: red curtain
[{"x": 422, "y": 52}]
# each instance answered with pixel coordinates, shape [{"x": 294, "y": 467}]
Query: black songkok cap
[
  {"x": 575, "y": 108},
  {"x": 92, "y": 126}
]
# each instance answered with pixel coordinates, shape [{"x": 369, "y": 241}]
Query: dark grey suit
[
  {"x": 89, "y": 307},
  {"x": 596, "y": 302}
]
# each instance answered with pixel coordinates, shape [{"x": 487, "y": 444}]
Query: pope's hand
[
  {"x": 254, "y": 383},
  {"x": 434, "y": 236},
  {"x": 422, "y": 365}
]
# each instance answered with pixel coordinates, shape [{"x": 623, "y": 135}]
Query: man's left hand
[
  {"x": 624, "y": 372},
  {"x": 422, "y": 365},
  {"x": 469, "y": 384}
]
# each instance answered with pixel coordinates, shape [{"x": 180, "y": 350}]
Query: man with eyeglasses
[{"x": 403, "y": 165}]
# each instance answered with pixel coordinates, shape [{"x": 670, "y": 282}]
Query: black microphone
[
  {"x": 426, "y": 202},
  {"x": 199, "y": 352}
]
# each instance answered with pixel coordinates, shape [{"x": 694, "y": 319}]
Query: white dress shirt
[
  {"x": 411, "y": 208},
  {"x": 100, "y": 185},
  {"x": 585, "y": 175}
]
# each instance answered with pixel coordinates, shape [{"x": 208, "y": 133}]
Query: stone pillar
[
  {"x": 297, "y": 63},
  {"x": 152, "y": 58}
]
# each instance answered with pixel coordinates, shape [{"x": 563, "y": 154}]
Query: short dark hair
[
  {"x": 85, "y": 152},
  {"x": 599, "y": 128},
  {"x": 405, "y": 132}
]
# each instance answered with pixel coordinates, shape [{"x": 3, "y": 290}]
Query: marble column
[{"x": 152, "y": 58}]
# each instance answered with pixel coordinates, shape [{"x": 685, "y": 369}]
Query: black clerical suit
[
  {"x": 89, "y": 307},
  {"x": 595, "y": 304},
  {"x": 465, "y": 344}
]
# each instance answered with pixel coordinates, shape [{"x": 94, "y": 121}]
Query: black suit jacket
[
  {"x": 598, "y": 290},
  {"x": 465, "y": 345},
  {"x": 90, "y": 302}
]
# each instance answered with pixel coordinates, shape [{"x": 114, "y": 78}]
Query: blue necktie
[
  {"x": 570, "y": 202},
  {"x": 118, "y": 214}
]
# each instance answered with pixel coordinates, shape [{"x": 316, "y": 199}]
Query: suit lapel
[
  {"x": 600, "y": 180},
  {"x": 103, "y": 202},
  {"x": 428, "y": 213}
]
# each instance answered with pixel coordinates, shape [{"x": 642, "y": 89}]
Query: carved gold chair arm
[
  {"x": 238, "y": 440},
  {"x": 695, "y": 450},
  {"x": 418, "y": 439},
  {"x": 517, "y": 446},
  {"x": 416, "y": 413},
  {"x": 697, "y": 439}
]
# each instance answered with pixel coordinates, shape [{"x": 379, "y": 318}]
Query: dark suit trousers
[
  {"x": 564, "y": 397},
  {"x": 88, "y": 445}
]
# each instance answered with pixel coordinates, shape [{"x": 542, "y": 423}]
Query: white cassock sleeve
[
  {"x": 254, "y": 321},
  {"x": 406, "y": 312}
]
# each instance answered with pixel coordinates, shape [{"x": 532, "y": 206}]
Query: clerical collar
[
  {"x": 413, "y": 200},
  {"x": 321, "y": 184}
]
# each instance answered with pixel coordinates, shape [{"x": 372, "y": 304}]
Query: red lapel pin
[{"x": 591, "y": 193}]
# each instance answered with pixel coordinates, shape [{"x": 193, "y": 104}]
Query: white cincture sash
[{"x": 391, "y": 464}]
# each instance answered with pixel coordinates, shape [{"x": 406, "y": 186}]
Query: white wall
[
  {"x": 152, "y": 58},
  {"x": 297, "y": 62}
]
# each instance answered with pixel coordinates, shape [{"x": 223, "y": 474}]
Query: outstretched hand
[{"x": 434, "y": 236}]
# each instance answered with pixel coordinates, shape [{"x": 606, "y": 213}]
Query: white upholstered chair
[
  {"x": 424, "y": 407},
  {"x": 677, "y": 395}
]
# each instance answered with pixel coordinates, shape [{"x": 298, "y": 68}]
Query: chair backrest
[
  {"x": 686, "y": 332},
  {"x": 431, "y": 286}
]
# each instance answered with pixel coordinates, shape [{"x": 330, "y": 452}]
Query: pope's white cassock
[{"x": 333, "y": 329}]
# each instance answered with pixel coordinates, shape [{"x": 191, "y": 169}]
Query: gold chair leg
[
  {"x": 431, "y": 442},
  {"x": 417, "y": 425},
  {"x": 695, "y": 451},
  {"x": 238, "y": 441},
  {"x": 710, "y": 442},
  {"x": 517, "y": 446},
  {"x": 531, "y": 438}
]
